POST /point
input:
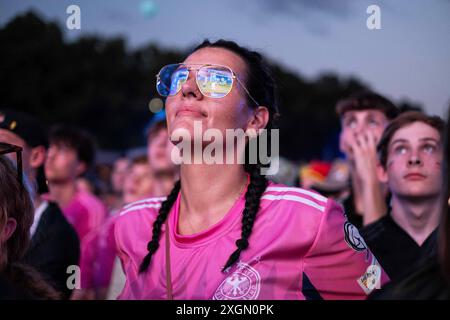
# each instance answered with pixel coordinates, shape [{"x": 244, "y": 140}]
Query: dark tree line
[{"x": 100, "y": 85}]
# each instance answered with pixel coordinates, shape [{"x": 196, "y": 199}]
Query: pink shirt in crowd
[
  {"x": 301, "y": 247},
  {"x": 86, "y": 213},
  {"x": 100, "y": 254}
]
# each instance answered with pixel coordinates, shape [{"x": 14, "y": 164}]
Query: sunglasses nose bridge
[
  {"x": 192, "y": 75},
  {"x": 190, "y": 84}
]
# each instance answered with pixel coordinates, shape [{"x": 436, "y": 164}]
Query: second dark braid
[{"x": 255, "y": 190}]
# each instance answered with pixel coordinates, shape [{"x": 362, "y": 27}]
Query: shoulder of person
[
  {"x": 424, "y": 281},
  {"x": 378, "y": 228},
  {"x": 87, "y": 198},
  {"x": 53, "y": 220},
  {"x": 142, "y": 209},
  {"x": 54, "y": 214},
  {"x": 134, "y": 222},
  {"x": 297, "y": 200},
  {"x": 90, "y": 204}
]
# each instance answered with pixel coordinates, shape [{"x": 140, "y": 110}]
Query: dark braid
[
  {"x": 256, "y": 188},
  {"x": 263, "y": 88},
  {"x": 153, "y": 245}
]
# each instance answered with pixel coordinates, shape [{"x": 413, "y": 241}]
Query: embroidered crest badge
[{"x": 243, "y": 284}]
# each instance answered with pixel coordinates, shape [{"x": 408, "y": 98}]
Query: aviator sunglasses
[{"x": 214, "y": 81}]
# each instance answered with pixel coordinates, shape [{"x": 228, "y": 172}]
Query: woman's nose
[{"x": 190, "y": 88}]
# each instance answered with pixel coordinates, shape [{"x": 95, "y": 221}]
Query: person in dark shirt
[
  {"x": 410, "y": 153},
  {"x": 363, "y": 116}
]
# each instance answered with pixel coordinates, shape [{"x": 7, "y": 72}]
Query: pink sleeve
[
  {"x": 98, "y": 254},
  {"x": 123, "y": 241},
  {"x": 91, "y": 252},
  {"x": 81, "y": 221},
  {"x": 124, "y": 258},
  {"x": 88, "y": 247},
  {"x": 87, "y": 259},
  {"x": 104, "y": 261},
  {"x": 339, "y": 265}
]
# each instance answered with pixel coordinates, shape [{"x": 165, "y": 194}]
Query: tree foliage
[{"x": 100, "y": 85}]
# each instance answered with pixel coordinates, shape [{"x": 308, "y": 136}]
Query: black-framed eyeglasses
[{"x": 6, "y": 148}]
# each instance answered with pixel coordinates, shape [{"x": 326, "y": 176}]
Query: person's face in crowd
[
  {"x": 62, "y": 164},
  {"x": 119, "y": 174},
  {"x": 360, "y": 122},
  {"x": 231, "y": 111},
  {"x": 159, "y": 150},
  {"x": 138, "y": 183},
  {"x": 32, "y": 158},
  {"x": 413, "y": 166}
]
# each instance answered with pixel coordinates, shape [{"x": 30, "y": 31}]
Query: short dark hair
[
  {"x": 76, "y": 139},
  {"x": 140, "y": 159},
  {"x": 155, "y": 128},
  {"x": 401, "y": 121},
  {"x": 364, "y": 100}
]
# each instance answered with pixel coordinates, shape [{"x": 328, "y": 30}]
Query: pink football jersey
[{"x": 301, "y": 247}]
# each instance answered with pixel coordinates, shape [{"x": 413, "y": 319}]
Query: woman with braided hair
[{"x": 225, "y": 231}]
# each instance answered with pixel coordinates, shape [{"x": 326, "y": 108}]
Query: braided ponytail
[
  {"x": 153, "y": 244},
  {"x": 256, "y": 188}
]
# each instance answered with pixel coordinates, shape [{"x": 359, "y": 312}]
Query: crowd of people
[{"x": 374, "y": 224}]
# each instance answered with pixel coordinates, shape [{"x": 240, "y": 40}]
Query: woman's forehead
[{"x": 218, "y": 56}]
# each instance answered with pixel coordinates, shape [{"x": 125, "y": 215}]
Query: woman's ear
[
  {"x": 37, "y": 157},
  {"x": 259, "y": 119},
  {"x": 8, "y": 230}
]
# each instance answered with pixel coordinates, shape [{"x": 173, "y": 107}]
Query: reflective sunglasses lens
[
  {"x": 171, "y": 78},
  {"x": 214, "y": 81}
]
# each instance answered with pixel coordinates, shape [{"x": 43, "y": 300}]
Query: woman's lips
[
  {"x": 188, "y": 111},
  {"x": 415, "y": 176}
]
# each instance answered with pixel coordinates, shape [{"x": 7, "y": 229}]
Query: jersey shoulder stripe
[
  {"x": 154, "y": 199},
  {"x": 301, "y": 191},
  {"x": 140, "y": 207},
  {"x": 294, "y": 198},
  {"x": 299, "y": 195}
]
